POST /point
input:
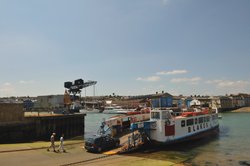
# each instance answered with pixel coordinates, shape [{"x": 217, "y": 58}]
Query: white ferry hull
[
  {"x": 167, "y": 127},
  {"x": 203, "y": 134}
]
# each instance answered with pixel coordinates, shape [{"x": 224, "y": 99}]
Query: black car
[{"x": 99, "y": 143}]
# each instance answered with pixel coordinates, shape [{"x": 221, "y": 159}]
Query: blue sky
[{"x": 130, "y": 47}]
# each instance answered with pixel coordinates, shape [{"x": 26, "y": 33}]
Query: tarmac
[{"x": 35, "y": 153}]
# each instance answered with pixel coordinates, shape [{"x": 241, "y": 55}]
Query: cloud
[
  {"x": 7, "y": 84},
  {"x": 7, "y": 89},
  {"x": 149, "y": 79},
  {"x": 173, "y": 72},
  {"x": 193, "y": 80},
  {"x": 26, "y": 82},
  {"x": 228, "y": 83}
]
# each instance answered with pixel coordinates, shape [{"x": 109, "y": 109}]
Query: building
[
  {"x": 246, "y": 99},
  {"x": 161, "y": 100},
  {"x": 179, "y": 101},
  {"x": 188, "y": 101},
  {"x": 210, "y": 101},
  {"x": 238, "y": 101},
  {"x": 49, "y": 102},
  {"x": 226, "y": 103}
]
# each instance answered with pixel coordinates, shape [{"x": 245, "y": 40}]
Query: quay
[
  {"x": 16, "y": 127},
  {"x": 35, "y": 153}
]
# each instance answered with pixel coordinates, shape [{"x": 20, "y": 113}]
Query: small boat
[
  {"x": 90, "y": 110},
  {"x": 139, "y": 110},
  {"x": 114, "y": 110}
]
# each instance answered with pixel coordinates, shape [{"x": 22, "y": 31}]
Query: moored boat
[
  {"x": 167, "y": 126},
  {"x": 87, "y": 111},
  {"x": 114, "y": 110},
  {"x": 139, "y": 110}
]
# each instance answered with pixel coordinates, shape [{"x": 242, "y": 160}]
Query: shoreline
[{"x": 243, "y": 110}]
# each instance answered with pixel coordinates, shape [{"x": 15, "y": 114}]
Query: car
[{"x": 99, "y": 143}]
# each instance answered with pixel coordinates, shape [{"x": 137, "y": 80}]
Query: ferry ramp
[{"x": 128, "y": 142}]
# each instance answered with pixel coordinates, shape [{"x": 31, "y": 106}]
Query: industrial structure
[{"x": 74, "y": 104}]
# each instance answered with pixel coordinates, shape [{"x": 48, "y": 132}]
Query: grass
[{"x": 38, "y": 144}]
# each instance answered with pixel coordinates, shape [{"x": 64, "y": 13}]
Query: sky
[{"x": 132, "y": 47}]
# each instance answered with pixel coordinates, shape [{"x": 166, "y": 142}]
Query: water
[
  {"x": 230, "y": 147},
  {"x": 93, "y": 122}
]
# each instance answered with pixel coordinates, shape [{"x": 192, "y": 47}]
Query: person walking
[
  {"x": 61, "y": 147},
  {"x": 52, "y": 142}
]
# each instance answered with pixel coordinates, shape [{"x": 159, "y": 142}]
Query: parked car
[{"x": 99, "y": 143}]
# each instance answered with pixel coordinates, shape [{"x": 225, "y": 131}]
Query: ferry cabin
[{"x": 165, "y": 127}]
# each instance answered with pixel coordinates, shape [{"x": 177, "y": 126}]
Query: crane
[{"x": 75, "y": 88}]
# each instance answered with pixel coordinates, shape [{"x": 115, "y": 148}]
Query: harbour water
[{"x": 230, "y": 147}]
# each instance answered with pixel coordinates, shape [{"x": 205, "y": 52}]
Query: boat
[
  {"x": 87, "y": 110},
  {"x": 114, "y": 110},
  {"x": 168, "y": 126},
  {"x": 139, "y": 110}
]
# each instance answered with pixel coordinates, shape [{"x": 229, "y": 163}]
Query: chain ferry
[{"x": 169, "y": 126}]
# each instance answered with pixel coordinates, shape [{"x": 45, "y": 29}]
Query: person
[
  {"x": 52, "y": 142},
  {"x": 61, "y": 147}
]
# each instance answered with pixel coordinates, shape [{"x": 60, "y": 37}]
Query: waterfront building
[
  {"x": 188, "y": 101},
  {"x": 50, "y": 101},
  {"x": 226, "y": 103},
  {"x": 238, "y": 100},
  {"x": 215, "y": 102},
  {"x": 246, "y": 99},
  {"x": 162, "y": 100}
]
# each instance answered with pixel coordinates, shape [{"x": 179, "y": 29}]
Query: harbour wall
[
  {"x": 11, "y": 112},
  {"x": 14, "y": 127}
]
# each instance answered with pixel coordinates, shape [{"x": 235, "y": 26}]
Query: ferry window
[
  {"x": 198, "y": 127},
  {"x": 196, "y": 120},
  {"x": 201, "y": 126},
  {"x": 206, "y": 124},
  {"x": 204, "y": 119},
  {"x": 201, "y": 120},
  {"x": 214, "y": 117},
  {"x": 190, "y": 122},
  {"x": 189, "y": 129},
  {"x": 208, "y": 118},
  {"x": 166, "y": 115},
  {"x": 155, "y": 115},
  {"x": 183, "y": 123}
]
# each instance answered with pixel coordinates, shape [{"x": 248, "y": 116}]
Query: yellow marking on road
[{"x": 110, "y": 152}]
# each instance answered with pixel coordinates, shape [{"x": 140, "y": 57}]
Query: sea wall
[
  {"x": 10, "y": 112},
  {"x": 70, "y": 125},
  {"x": 40, "y": 128}
]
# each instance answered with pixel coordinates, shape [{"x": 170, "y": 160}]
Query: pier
[{"x": 15, "y": 127}]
